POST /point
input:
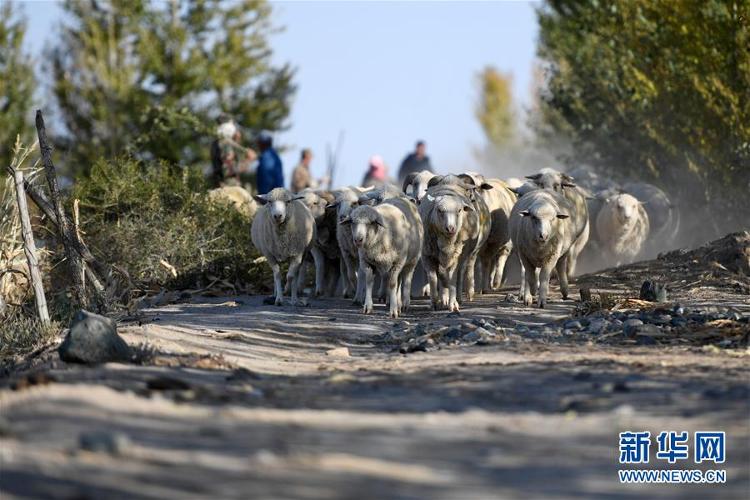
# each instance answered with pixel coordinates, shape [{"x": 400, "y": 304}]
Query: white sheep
[
  {"x": 389, "y": 241},
  {"x": 622, "y": 226},
  {"x": 346, "y": 200},
  {"x": 562, "y": 183},
  {"x": 417, "y": 181},
  {"x": 237, "y": 196},
  {"x": 283, "y": 230},
  {"x": 542, "y": 233},
  {"x": 455, "y": 228}
]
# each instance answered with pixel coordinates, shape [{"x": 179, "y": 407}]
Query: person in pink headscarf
[{"x": 377, "y": 175}]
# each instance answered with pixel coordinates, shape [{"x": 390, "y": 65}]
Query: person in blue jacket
[{"x": 270, "y": 174}]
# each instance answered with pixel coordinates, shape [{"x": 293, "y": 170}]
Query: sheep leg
[
  {"x": 406, "y": 279},
  {"x": 368, "y": 279},
  {"x": 528, "y": 272},
  {"x": 393, "y": 292},
  {"x": 344, "y": 272},
  {"x": 562, "y": 275},
  {"x": 544, "y": 283},
  {"x": 320, "y": 263},
  {"x": 454, "y": 286},
  {"x": 292, "y": 276},
  {"x": 278, "y": 287},
  {"x": 469, "y": 278},
  {"x": 300, "y": 277},
  {"x": 433, "y": 281},
  {"x": 497, "y": 281},
  {"x": 576, "y": 250},
  {"x": 360, "y": 282}
]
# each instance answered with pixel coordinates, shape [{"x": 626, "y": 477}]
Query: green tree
[
  {"x": 16, "y": 80},
  {"x": 495, "y": 110},
  {"x": 654, "y": 90},
  {"x": 150, "y": 77}
]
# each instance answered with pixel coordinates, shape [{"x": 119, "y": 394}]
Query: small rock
[
  {"x": 597, "y": 326},
  {"x": 339, "y": 352},
  {"x": 479, "y": 322},
  {"x": 471, "y": 337},
  {"x": 678, "y": 310},
  {"x": 453, "y": 335},
  {"x": 512, "y": 298},
  {"x": 573, "y": 325},
  {"x": 114, "y": 443},
  {"x": 166, "y": 383},
  {"x": 630, "y": 326},
  {"x": 454, "y": 314},
  {"x": 661, "y": 319},
  {"x": 93, "y": 339}
]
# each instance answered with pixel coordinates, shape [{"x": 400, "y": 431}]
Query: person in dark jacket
[
  {"x": 414, "y": 162},
  {"x": 270, "y": 173}
]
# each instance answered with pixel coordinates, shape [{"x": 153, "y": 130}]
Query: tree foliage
[
  {"x": 16, "y": 80},
  {"x": 656, "y": 90},
  {"x": 495, "y": 110},
  {"x": 150, "y": 77}
]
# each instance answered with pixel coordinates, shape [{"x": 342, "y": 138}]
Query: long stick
[
  {"x": 67, "y": 239},
  {"x": 30, "y": 249}
]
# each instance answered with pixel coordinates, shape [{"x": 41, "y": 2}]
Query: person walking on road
[
  {"x": 270, "y": 173},
  {"x": 415, "y": 162}
]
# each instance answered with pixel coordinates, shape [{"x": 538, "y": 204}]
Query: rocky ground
[{"x": 231, "y": 398}]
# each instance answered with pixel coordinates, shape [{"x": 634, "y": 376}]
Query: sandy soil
[{"x": 244, "y": 400}]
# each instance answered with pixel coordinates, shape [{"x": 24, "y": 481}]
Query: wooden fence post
[{"x": 30, "y": 249}]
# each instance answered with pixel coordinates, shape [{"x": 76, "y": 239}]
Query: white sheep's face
[
  {"x": 316, "y": 204},
  {"x": 277, "y": 201},
  {"x": 625, "y": 207},
  {"x": 345, "y": 207},
  {"x": 542, "y": 220},
  {"x": 365, "y": 222},
  {"x": 419, "y": 188},
  {"x": 450, "y": 213}
]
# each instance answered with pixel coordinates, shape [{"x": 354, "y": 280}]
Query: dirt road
[{"x": 243, "y": 400}]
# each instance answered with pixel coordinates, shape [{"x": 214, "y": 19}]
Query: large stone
[{"x": 93, "y": 339}]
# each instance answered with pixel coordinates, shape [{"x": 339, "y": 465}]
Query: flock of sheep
[{"x": 458, "y": 229}]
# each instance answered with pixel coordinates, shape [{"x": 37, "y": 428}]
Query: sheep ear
[
  {"x": 346, "y": 220},
  {"x": 486, "y": 186},
  {"x": 379, "y": 222},
  {"x": 260, "y": 198},
  {"x": 408, "y": 180},
  {"x": 467, "y": 179},
  {"x": 562, "y": 216},
  {"x": 534, "y": 177},
  {"x": 524, "y": 213},
  {"x": 434, "y": 181},
  {"x": 567, "y": 178},
  {"x": 468, "y": 208}
]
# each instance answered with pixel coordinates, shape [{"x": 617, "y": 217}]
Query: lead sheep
[
  {"x": 622, "y": 226},
  {"x": 346, "y": 200},
  {"x": 542, "y": 233},
  {"x": 558, "y": 182},
  {"x": 389, "y": 241},
  {"x": 283, "y": 230}
]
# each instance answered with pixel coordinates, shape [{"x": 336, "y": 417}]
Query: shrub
[{"x": 146, "y": 218}]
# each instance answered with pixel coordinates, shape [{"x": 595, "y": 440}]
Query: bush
[
  {"x": 22, "y": 333},
  {"x": 145, "y": 218}
]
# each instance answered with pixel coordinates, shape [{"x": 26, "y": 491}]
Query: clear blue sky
[{"x": 387, "y": 73}]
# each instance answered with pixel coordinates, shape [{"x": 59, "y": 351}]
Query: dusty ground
[{"x": 243, "y": 400}]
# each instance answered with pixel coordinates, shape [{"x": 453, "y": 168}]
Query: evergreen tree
[
  {"x": 150, "y": 77},
  {"x": 16, "y": 81}
]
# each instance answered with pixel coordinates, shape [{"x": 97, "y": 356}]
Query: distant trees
[
  {"x": 656, "y": 90},
  {"x": 16, "y": 80},
  {"x": 150, "y": 77},
  {"x": 495, "y": 111}
]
